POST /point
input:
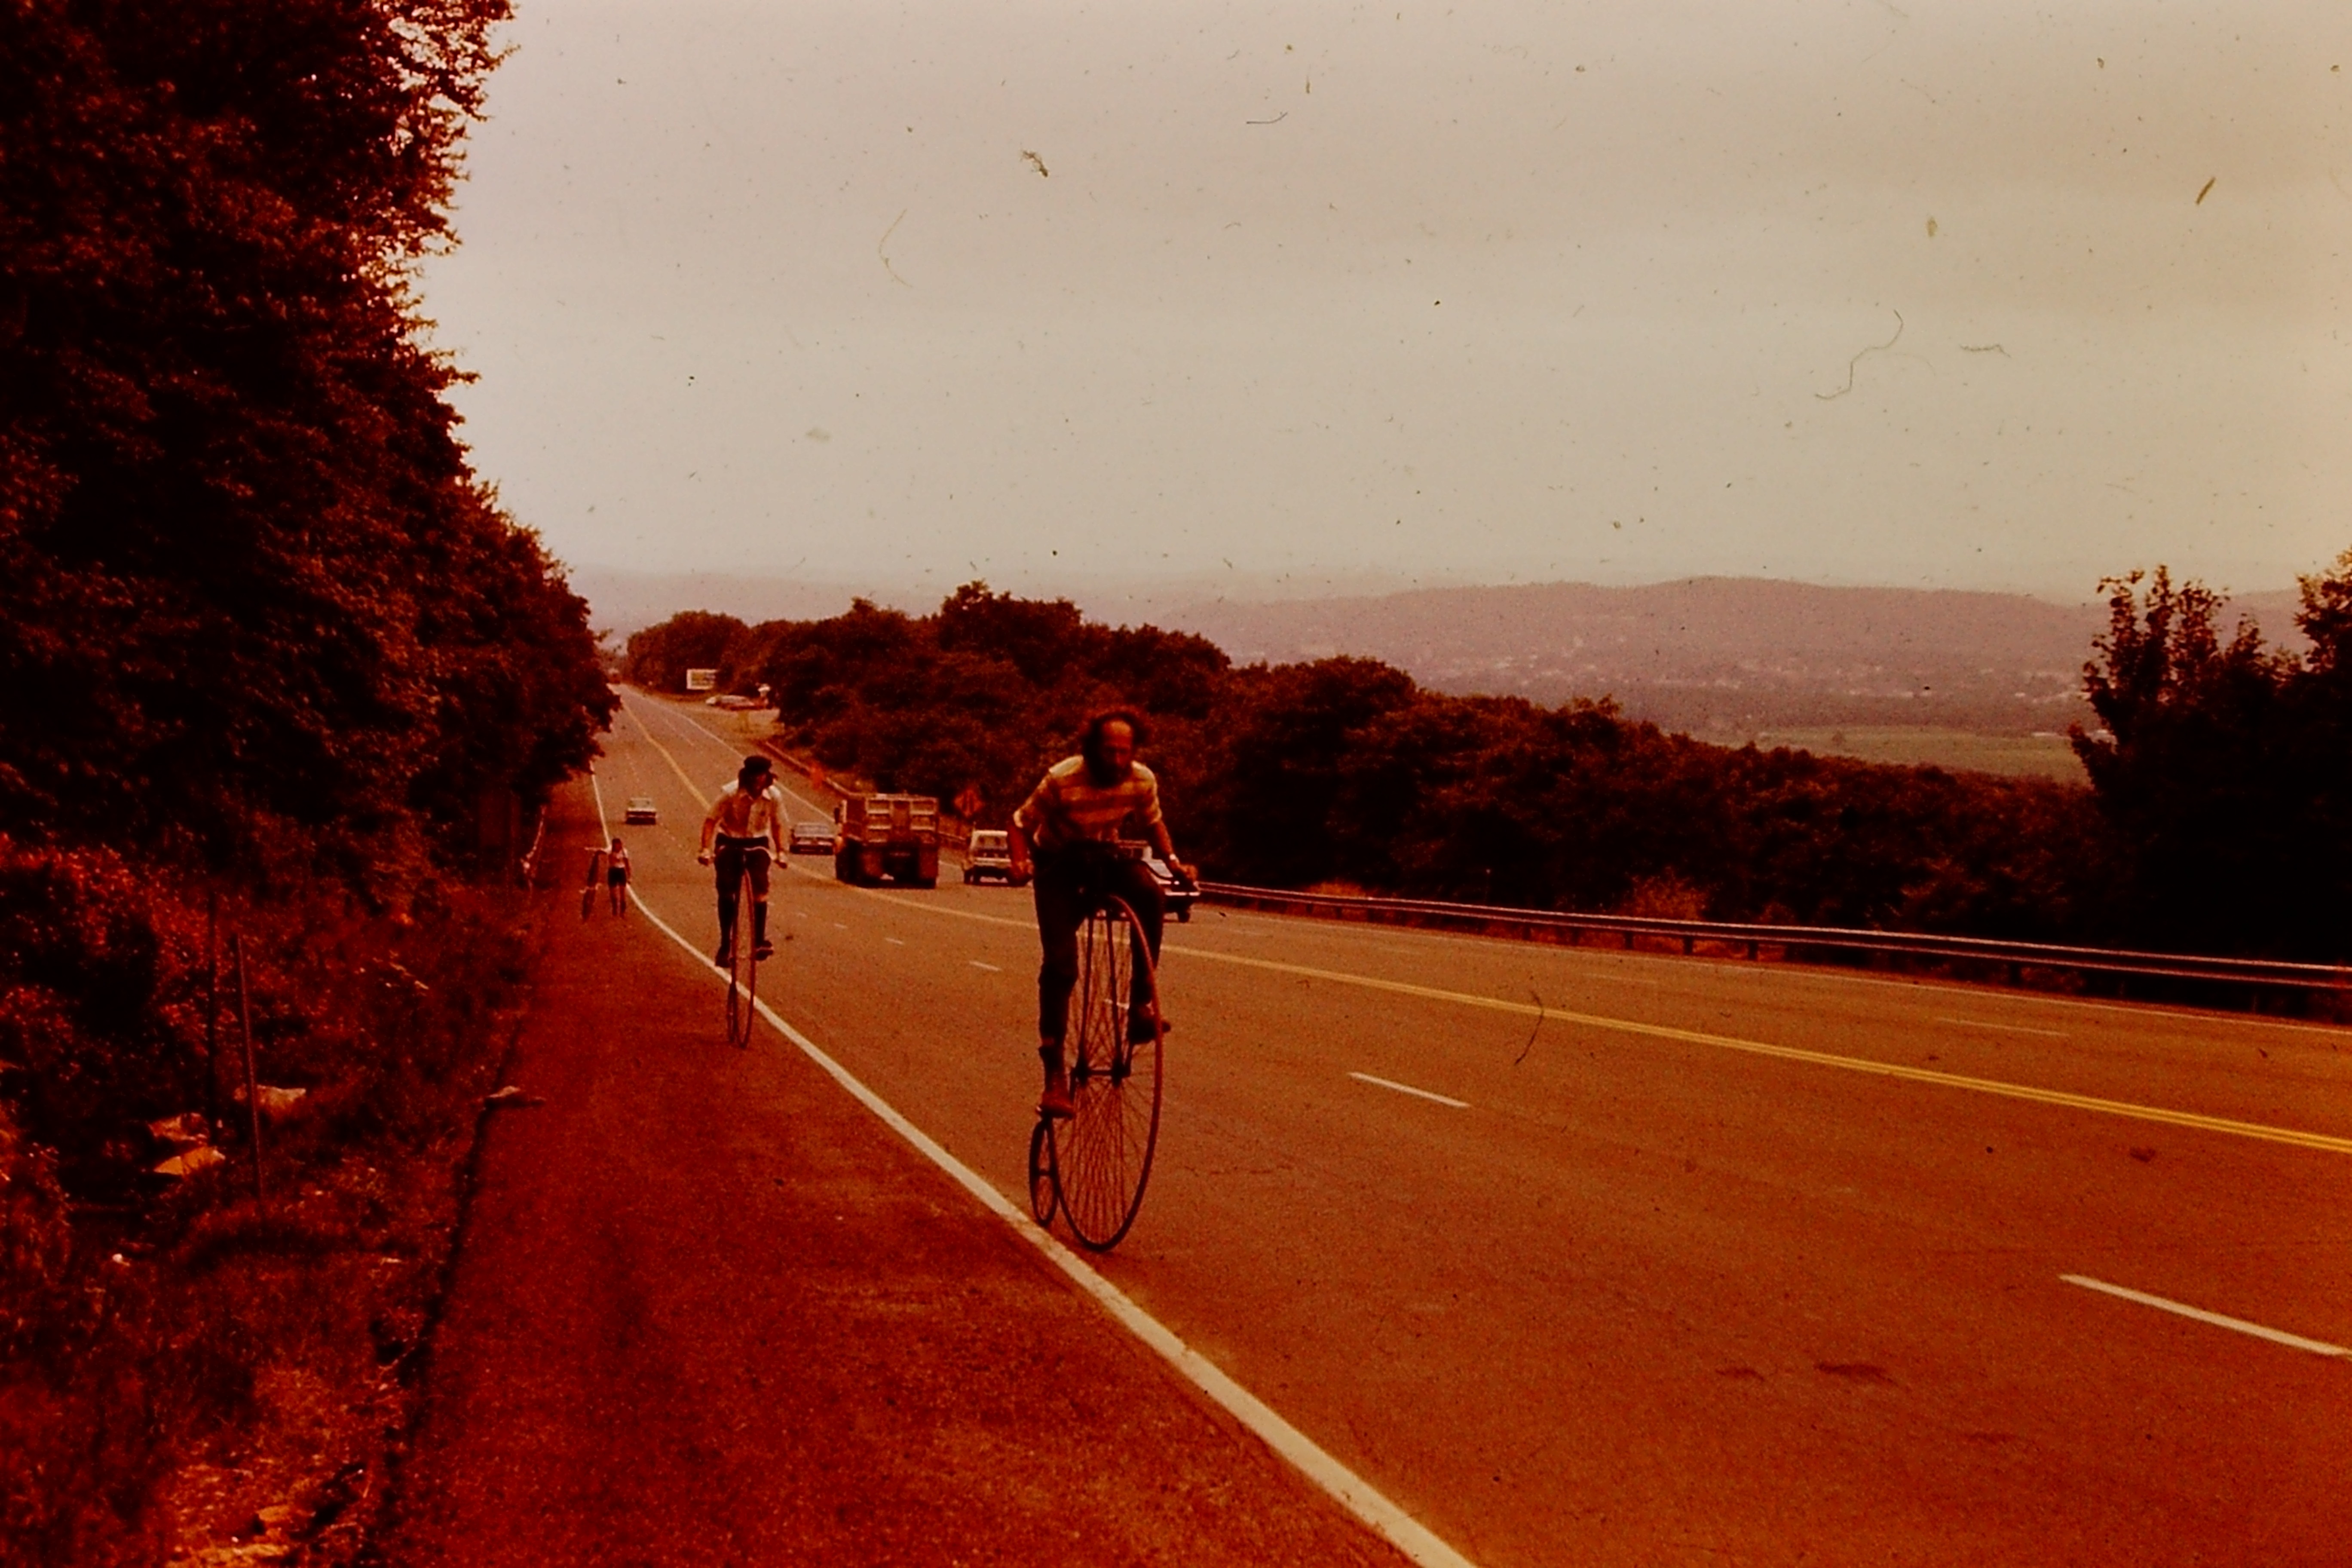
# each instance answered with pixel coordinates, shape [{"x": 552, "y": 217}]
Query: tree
[
  {"x": 249, "y": 588},
  {"x": 658, "y": 656},
  {"x": 2203, "y": 776}
]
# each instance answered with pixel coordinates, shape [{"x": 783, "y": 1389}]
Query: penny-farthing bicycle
[
  {"x": 1090, "y": 1168},
  {"x": 743, "y": 974}
]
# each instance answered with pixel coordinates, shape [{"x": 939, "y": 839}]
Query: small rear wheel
[{"x": 1044, "y": 1199}]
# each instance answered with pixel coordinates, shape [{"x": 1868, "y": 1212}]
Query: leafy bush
[
  {"x": 263, "y": 633},
  {"x": 2225, "y": 771},
  {"x": 1345, "y": 771}
]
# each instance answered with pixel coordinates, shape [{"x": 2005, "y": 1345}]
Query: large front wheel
[
  {"x": 1102, "y": 1154},
  {"x": 743, "y": 978}
]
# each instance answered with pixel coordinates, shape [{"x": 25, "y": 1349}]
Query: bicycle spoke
[{"x": 1103, "y": 1151}]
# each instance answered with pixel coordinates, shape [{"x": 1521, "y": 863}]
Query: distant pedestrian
[{"x": 616, "y": 878}]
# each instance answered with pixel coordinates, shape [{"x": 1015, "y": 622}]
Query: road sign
[
  {"x": 968, "y": 803},
  {"x": 701, "y": 680}
]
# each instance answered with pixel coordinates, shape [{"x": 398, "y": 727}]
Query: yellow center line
[
  {"x": 2158, "y": 1113},
  {"x": 683, "y": 776},
  {"x": 673, "y": 762}
]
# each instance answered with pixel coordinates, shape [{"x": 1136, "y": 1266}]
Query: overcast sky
[{"x": 1289, "y": 296}]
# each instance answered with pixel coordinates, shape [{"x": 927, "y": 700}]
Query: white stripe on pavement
[
  {"x": 2296, "y": 1342},
  {"x": 1408, "y": 1088},
  {"x": 1535, "y": 1010},
  {"x": 977, "y": 965},
  {"x": 2004, "y": 1028},
  {"x": 731, "y": 747},
  {"x": 1409, "y": 1535}
]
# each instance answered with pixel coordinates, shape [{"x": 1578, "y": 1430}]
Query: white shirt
[{"x": 740, "y": 815}]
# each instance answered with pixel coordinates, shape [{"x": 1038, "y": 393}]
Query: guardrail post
[{"x": 1688, "y": 947}]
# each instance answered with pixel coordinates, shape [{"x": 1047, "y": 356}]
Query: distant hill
[
  {"x": 1722, "y": 657},
  {"x": 623, "y": 602},
  {"x": 1726, "y": 658}
]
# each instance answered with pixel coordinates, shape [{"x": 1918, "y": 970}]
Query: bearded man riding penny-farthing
[{"x": 1100, "y": 1030}]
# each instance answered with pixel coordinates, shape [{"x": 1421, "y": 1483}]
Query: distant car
[
  {"x": 989, "y": 858},
  {"x": 811, "y": 839},
  {"x": 640, "y": 808}
]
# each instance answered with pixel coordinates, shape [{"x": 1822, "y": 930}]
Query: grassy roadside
[{"x": 190, "y": 1372}]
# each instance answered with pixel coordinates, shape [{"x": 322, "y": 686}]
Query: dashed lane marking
[
  {"x": 1367, "y": 1503},
  {"x": 976, "y": 963},
  {"x": 2004, "y": 1028},
  {"x": 1408, "y": 1088},
  {"x": 2296, "y": 1342},
  {"x": 683, "y": 776},
  {"x": 2294, "y": 1137},
  {"x": 730, "y": 745}
]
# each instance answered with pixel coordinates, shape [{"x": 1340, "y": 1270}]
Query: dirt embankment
[{"x": 192, "y": 1371}]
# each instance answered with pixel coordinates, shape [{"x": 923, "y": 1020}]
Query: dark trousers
[
  {"x": 1069, "y": 884},
  {"x": 735, "y": 856}
]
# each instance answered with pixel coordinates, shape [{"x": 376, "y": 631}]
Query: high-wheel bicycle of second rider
[
  {"x": 1090, "y": 1168},
  {"x": 588, "y": 888},
  {"x": 743, "y": 973}
]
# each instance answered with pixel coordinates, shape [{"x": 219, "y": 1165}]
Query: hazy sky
[{"x": 1304, "y": 294}]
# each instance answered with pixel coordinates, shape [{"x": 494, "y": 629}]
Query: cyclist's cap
[{"x": 758, "y": 764}]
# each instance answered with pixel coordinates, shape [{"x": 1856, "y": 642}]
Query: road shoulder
[{"x": 709, "y": 1310}]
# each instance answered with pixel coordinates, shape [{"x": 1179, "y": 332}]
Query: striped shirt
[{"x": 1068, "y": 807}]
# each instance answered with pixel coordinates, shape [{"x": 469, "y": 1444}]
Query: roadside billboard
[{"x": 701, "y": 680}]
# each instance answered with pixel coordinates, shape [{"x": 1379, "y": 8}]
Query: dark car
[
  {"x": 1178, "y": 894},
  {"x": 810, "y": 839}
]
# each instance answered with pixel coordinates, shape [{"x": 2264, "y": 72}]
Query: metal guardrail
[{"x": 2015, "y": 957}]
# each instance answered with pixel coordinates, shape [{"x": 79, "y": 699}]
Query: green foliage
[
  {"x": 113, "y": 1371},
  {"x": 658, "y": 656},
  {"x": 97, "y": 1027},
  {"x": 2225, "y": 771},
  {"x": 249, "y": 588},
  {"x": 1345, "y": 770},
  {"x": 261, "y": 630},
  {"x": 982, "y": 694}
]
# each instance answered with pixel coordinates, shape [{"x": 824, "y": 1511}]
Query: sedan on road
[{"x": 1177, "y": 896}]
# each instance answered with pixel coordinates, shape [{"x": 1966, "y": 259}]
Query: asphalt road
[
  {"x": 1688, "y": 1260},
  {"x": 709, "y": 1310}
]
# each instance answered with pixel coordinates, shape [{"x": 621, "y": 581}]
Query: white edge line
[
  {"x": 992, "y": 968},
  {"x": 1358, "y": 1496},
  {"x": 2316, "y": 1347},
  {"x": 1408, "y": 1088}
]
